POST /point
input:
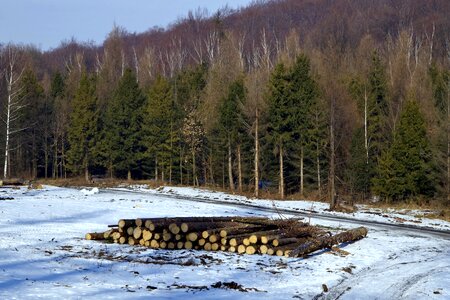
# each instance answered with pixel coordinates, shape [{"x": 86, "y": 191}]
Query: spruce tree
[
  {"x": 280, "y": 119},
  {"x": 358, "y": 172},
  {"x": 58, "y": 104},
  {"x": 83, "y": 128},
  {"x": 303, "y": 94},
  {"x": 231, "y": 125},
  {"x": 57, "y": 86},
  {"x": 439, "y": 84},
  {"x": 406, "y": 169},
  {"x": 158, "y": 125},
  {"x": 377, "y": 110},
  {"x": 370, "y": 93},
  {"x": 123, "y": 122},
  {"x": 32, "y": 120}
]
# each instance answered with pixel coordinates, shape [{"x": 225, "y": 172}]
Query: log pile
[{"x": 243, "y": 235}]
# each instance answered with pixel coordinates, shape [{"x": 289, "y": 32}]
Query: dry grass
[{"x": 433, "y": 209}]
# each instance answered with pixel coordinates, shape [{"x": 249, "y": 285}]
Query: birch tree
[{"x": 14, "y": 104}]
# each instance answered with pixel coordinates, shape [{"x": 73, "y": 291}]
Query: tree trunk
[
  {"x": 212, "y": 220},
  {"x": 366, "y": 139},
  {"x": 34, "y": 156},
  {"x": 95, "y": 236},
  {"x": 211, "y": 169},
  {"x": 171, "y": 151},
  {"x": 239, "y": 168},
  {"x": 181, "y": 166},
  {"x": 257, "y": 154},
  {"x": 170, "y": 171},
  {"x": 281, "y": 187},
  {"x": 328, "y": 242},
  {"x": 318, "y": 168},
  {"x": 86, "y": 169},
  {"x": 63, "y": 159},
  {"x": 205, "y": 170},
  {"x": 448, "y": 137},
  {"x": 46, "y": 156},
  {"x": 55, "y": 158},
  {"x": 156, "y": 169},
  {"x": 333, "y": 202},
  {"x": 8, "y": 124},
  {"x": 194, "y": 169},
  {"x": 301, "y": 171},
  {"x": 5, "y": 166},
  {"x": 230, "y": 167},
  {"x": 129, "y": 175}
]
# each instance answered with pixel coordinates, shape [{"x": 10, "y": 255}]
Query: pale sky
[{"x": 45, "y": 23}]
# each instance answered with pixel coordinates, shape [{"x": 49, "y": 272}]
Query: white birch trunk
[
  {"x": 257, "y": 154},
  {"x": 366, "y": 140},
  {"x": 8, "y": 121},
  {"x": 13, "y": 106}
]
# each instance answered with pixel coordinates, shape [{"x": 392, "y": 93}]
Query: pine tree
[
  {"x": 406, "y": 169},
  {"x": 123, "y": 122},
  {"x": 83, "y": 128}
]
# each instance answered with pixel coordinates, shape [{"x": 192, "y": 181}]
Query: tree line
[{"x": 286, "y": 116}]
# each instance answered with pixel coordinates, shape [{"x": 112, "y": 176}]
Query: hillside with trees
[{"x": 327, "y": 99}]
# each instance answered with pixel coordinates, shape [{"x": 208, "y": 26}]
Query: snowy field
[{"x": 43, "y": 254}]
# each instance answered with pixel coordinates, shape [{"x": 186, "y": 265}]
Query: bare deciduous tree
[{"x": 14, "y": 104}]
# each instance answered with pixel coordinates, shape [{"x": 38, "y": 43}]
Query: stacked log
[{"x": 243, "y": 235}]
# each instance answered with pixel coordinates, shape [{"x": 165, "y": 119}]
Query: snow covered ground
[{"x": 43, "y": 254}]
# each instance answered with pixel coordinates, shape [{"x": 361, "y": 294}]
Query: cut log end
[
  {"x": 95, "y": 236},
  {"x": 188, "y": 245},
  {"x": 241, "y": 249},
  {"x": 184, "y": 227},
  {"x": 192, "y": 237},
  {"x": 250, "y": 250}
]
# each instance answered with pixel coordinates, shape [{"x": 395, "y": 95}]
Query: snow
[
  {"x": 90, "y": 192},
  {"x": 43, "y": 253}
]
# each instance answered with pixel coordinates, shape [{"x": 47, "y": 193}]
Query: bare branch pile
[{"x": 249, "y": 235}]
